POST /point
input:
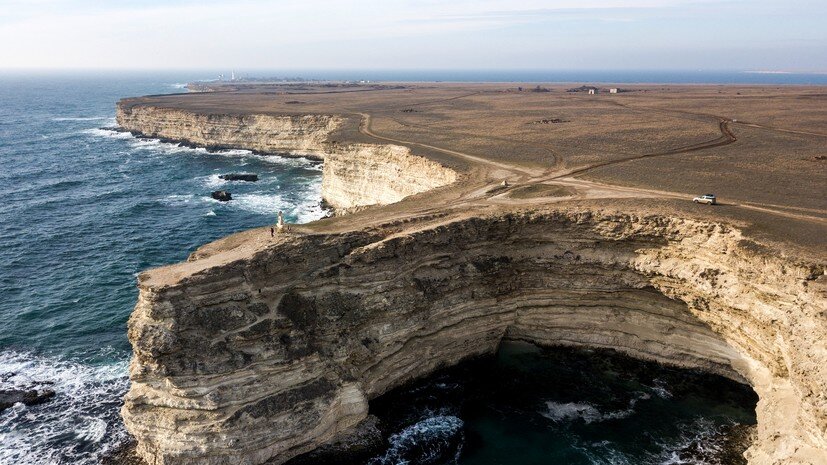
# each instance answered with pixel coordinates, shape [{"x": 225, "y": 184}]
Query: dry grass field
[{"x": 761, "y": 149}]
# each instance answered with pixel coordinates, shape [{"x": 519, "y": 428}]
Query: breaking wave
[
  {"x": 436, "y": 439},
  {"x": 588, "y": 413},
  {"x": 702, "y": 443},
  {"x": 107, "y": 133},
  {"x": 162, "y": 147},
  {"x": 270, "y": 204},
  {"x": 78, "y": 426}
]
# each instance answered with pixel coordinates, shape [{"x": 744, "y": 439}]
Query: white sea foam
[
  {"x": 107, "y": 133},
  {"x": 299, "y": 162},
  {"x": 304, "y": 211},
  {"x": 213, "y": 181},
  {"x": 178, "y": 85},
  {"x": 164, "y": 148},
  {"x": 168, "y": 148},
  {"x": 178, "y": 199},
  {"x": 86, "y": 405},
  {"x": 702, "y": 437},
  {"x": 701, "y": 443},
  {"x": 660, "y": 390},
  {"x": 570, "y": 411},
  {"x": 604, "y": 453},
  {"x": 265, "y": 204},
  {"x": 427, "y": 441}
]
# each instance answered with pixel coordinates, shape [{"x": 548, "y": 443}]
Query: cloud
[{"x": 327, "y": 33}]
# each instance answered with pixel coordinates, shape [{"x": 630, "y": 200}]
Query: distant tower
[{"x": 232, "y": 75}]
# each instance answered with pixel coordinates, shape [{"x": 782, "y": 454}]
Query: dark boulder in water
[
  {"x": 251, "y": 177},
  {"x": 222, "y": 196},
  {"x": 9, "y": 397}
]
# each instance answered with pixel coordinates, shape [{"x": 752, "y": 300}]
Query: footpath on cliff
[
  {"x": 491, "y": 134},
  {"x": 611, "y": 177}
]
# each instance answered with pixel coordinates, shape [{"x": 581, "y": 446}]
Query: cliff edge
[{"x": 259, "y": 349}]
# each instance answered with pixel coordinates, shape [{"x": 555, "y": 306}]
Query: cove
[{"x": 530, "y": 405}]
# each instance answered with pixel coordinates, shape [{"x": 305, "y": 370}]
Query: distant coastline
[{"x": 711, "y": 77}]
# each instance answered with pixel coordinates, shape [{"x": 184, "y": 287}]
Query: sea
[{"x": 85, "y": 208}]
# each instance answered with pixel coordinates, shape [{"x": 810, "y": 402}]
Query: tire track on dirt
[{"x": 727, "y": 137}]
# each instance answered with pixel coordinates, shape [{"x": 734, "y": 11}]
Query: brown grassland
[{"x": 761, "y": 149}]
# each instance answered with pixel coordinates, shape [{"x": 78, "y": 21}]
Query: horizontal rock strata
[
  {"x": 355, "y": 175},
  {"x": 241, "y": 359},
  {"x": 301, "y": 134}
]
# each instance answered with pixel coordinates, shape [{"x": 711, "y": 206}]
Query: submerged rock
[
  {"x": 9, "y": 397},
  {"x": 222, "y": 196},
  {"x": 251, "y": 177}
]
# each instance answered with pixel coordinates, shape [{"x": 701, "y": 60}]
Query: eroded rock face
[
  {"x": 300, "y": 134},
  {"x": 355, "y": 175},
  {"x": 272, "y": 354}
]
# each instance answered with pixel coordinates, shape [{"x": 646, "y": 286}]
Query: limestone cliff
[
  {"x": 243, "y": 356},
  {"x": 355, "y": 175},
  {"x": 298, "y": 134},
  {"x": 256, "y": 350}
]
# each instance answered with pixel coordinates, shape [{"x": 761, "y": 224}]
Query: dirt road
[{"x": 520, "y": 177}]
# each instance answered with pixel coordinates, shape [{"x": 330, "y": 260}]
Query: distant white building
[
  {"x": 612, "y": 91},
  {"x": 592, "y": 91}
]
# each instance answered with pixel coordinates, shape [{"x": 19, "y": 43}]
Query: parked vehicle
[{"x": 708, "y": 199}]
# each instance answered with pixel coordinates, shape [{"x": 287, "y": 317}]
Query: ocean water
[
  {"x": 532, "y": 406},
  {"x": 764, "y": 77},
  {"x": 85, "y": 209}
]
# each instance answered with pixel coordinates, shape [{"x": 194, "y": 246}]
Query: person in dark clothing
[{"x": 272, "y": 232}]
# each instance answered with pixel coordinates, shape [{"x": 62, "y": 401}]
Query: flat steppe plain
[{"x": 649, "y": 148}]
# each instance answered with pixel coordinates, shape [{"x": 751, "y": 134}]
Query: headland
[{"x": 469, "y": 214}]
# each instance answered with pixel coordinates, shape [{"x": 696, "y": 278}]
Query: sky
[{"x": 758, "y": 35}]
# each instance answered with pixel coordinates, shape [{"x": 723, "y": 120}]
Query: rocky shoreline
[{"x": 254, "y": 351}]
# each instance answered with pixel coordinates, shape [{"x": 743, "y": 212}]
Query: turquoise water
[{"x": 84, "y": 209}]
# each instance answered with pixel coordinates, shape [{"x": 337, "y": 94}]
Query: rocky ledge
[
  {"x": 259, "y": 350},
  {"x": 265, "y": 356}
]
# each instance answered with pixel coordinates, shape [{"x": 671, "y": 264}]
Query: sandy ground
[{"x": 761, "y": 149}]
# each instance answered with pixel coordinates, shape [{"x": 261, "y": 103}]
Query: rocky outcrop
[
  {"x": 357, "y": 175},
  {"x": 267, "y": 354},
  {"x": 249, "y": 177},
  {"x": 222, "y": 196},
  {"x": 9, "y": 397},
  {"x": 354, "y": 175}
]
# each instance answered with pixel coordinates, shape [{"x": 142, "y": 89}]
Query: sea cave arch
[{"x": 266, "y": 354}]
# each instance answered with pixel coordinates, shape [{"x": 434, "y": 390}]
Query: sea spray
[{"x": 79, "y": 425}]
